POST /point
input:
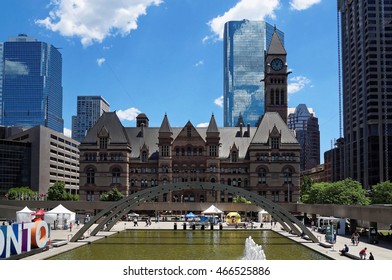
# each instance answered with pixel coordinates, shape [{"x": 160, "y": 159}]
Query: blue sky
[{"x": 166, "y": 56}]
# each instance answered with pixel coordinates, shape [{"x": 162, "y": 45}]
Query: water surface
[{"x": 189, "y": 245}]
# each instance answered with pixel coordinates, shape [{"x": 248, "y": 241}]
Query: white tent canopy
[
  {"x": 212, "y": 210},
  {"x": 60, "y": 214},
  {"x": 25, "y": 215}
]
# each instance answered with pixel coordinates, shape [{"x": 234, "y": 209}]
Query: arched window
[
  {"x": 282, "y": 97},
  {"x": 116, "y": 175},
  {"x": 272, "y": 97},
  {"x": 90, "y": 175}
]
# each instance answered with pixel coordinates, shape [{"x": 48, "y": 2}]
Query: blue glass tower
[
  {"x": 31, "y": 93},
  {"x": 245, "y": 43}
]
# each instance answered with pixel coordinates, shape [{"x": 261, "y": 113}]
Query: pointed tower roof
[
  {"x": 165, "y": 126},
  {"x": 212, "y": 127},
  {"x": 276, "y": 47},
  {"x": 108, "y": 125},
  {"x": 272, "y": 122}
]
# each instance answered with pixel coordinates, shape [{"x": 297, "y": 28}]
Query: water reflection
[{"x": 189, "y": 245}]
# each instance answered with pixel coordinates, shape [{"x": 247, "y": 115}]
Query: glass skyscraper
[
  {"x": 31, "y": 90},
  {"x": 89, "y": 109},
  {"x": 245, "y": 43}
]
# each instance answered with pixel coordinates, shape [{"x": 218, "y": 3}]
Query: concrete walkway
[{"x": 381, "y": 251}]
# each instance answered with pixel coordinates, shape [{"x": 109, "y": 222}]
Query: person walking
[
  {"x": 362, "y": 254},
  {"x": 70, "y": 226}
]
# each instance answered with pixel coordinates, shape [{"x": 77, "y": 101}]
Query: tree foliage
[
  {"x": 240, "y": 199},
  {"x": 306, "y": 186},
  {"x": 346, "y": 192},
  {"x": 58, "y": 192},
  {"x": 382, "y": 193},
  {"x": 21, "y": 193},
  {"x": 113, "y": 195}
]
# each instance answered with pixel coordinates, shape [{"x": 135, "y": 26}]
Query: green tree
[
  {"x": 382, "y": 193},
  {"x": 240, "y": 199},
  {"x": 113, "y": 195},
  {"x": 21, "y": 193},
  {"x": 57, "y": 191},
  {"x": 306, "y": 187},
  {"x": 346, "y": 192}
]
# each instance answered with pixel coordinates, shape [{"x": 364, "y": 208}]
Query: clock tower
[{"x": 275, "y": 78}]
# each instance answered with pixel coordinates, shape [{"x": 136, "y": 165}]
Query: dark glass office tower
[
  {"x": 366, "y": 44},
  {"x": 303, "y": 121},
  {"x": 31, "y": 91},
  {"x": 245, "y": 43},
  {"x": 89, "y": 109}
]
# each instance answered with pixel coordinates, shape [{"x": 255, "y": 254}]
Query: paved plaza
[{"x": 381, "y": 251}]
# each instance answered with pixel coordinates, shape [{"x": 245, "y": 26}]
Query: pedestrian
[
  {"x": 356, "y": 238},
  {"x": 344, "y": 250},
  {"x": 70, "y": 226},
  {"x": 135, "y": 222},
  {"x": 362, "y": 254},
  {"x": 371, "y": 257}
]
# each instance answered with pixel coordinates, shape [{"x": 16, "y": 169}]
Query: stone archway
[{"x": 118, "y": 209}]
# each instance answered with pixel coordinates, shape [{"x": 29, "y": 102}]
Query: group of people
[{"x": 362, "y": 253}]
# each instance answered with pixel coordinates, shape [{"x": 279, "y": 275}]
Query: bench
[
  {"x": 326, "y": 244},
  {"x": 351, "y": 256}
]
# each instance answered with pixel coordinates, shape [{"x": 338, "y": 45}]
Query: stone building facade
[{"x": 263, "y": 159}]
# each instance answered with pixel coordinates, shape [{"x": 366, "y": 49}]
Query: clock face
[{"x": 277, "y": 64}]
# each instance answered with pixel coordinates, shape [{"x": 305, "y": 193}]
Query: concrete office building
[{"x": 46, "y": 155}]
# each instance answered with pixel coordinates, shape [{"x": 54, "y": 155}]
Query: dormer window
[
  {"x": 144, "y": 156},
  {"x": 234, "y": 156},
  {"x": 103, "y": 142},
  {"x": 274, "y": 142}
]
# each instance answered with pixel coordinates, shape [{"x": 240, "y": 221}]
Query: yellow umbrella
[{"x": 233, "y": 217}]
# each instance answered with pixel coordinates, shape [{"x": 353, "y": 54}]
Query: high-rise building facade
[
  {"x": 31, "y": 90},
  {"x": 89, "y": 109},
  {"x": 366, "y": 50},
  {"x": 303, "y": 121},
  {"x": 245, "y": 43}
]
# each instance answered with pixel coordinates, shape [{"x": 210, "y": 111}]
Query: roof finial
[{"x": 274, "y": 27}]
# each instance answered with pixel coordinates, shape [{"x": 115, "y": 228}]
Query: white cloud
[
  {"x": 94, "y": 20},
  {"x": 67, "y": 132},
  {"x": 219, "y": 101},
  {"x": 297, "y": 83},
  {"x": 199, "y": 63},
  {"x": 204, "y": 124},
  {"x": 16, "y": 68},
  {"x": 244, "y": 9},
  {"x": 129, "y": 114},
  {"x": 300, "y": 5},
  {"x": 101, "y": 61}
]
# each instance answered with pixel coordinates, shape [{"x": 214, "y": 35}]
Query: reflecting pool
[{"x": 189, "y": 245}]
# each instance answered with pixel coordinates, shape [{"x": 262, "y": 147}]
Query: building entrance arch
[{"x": 110, "y": 216}]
